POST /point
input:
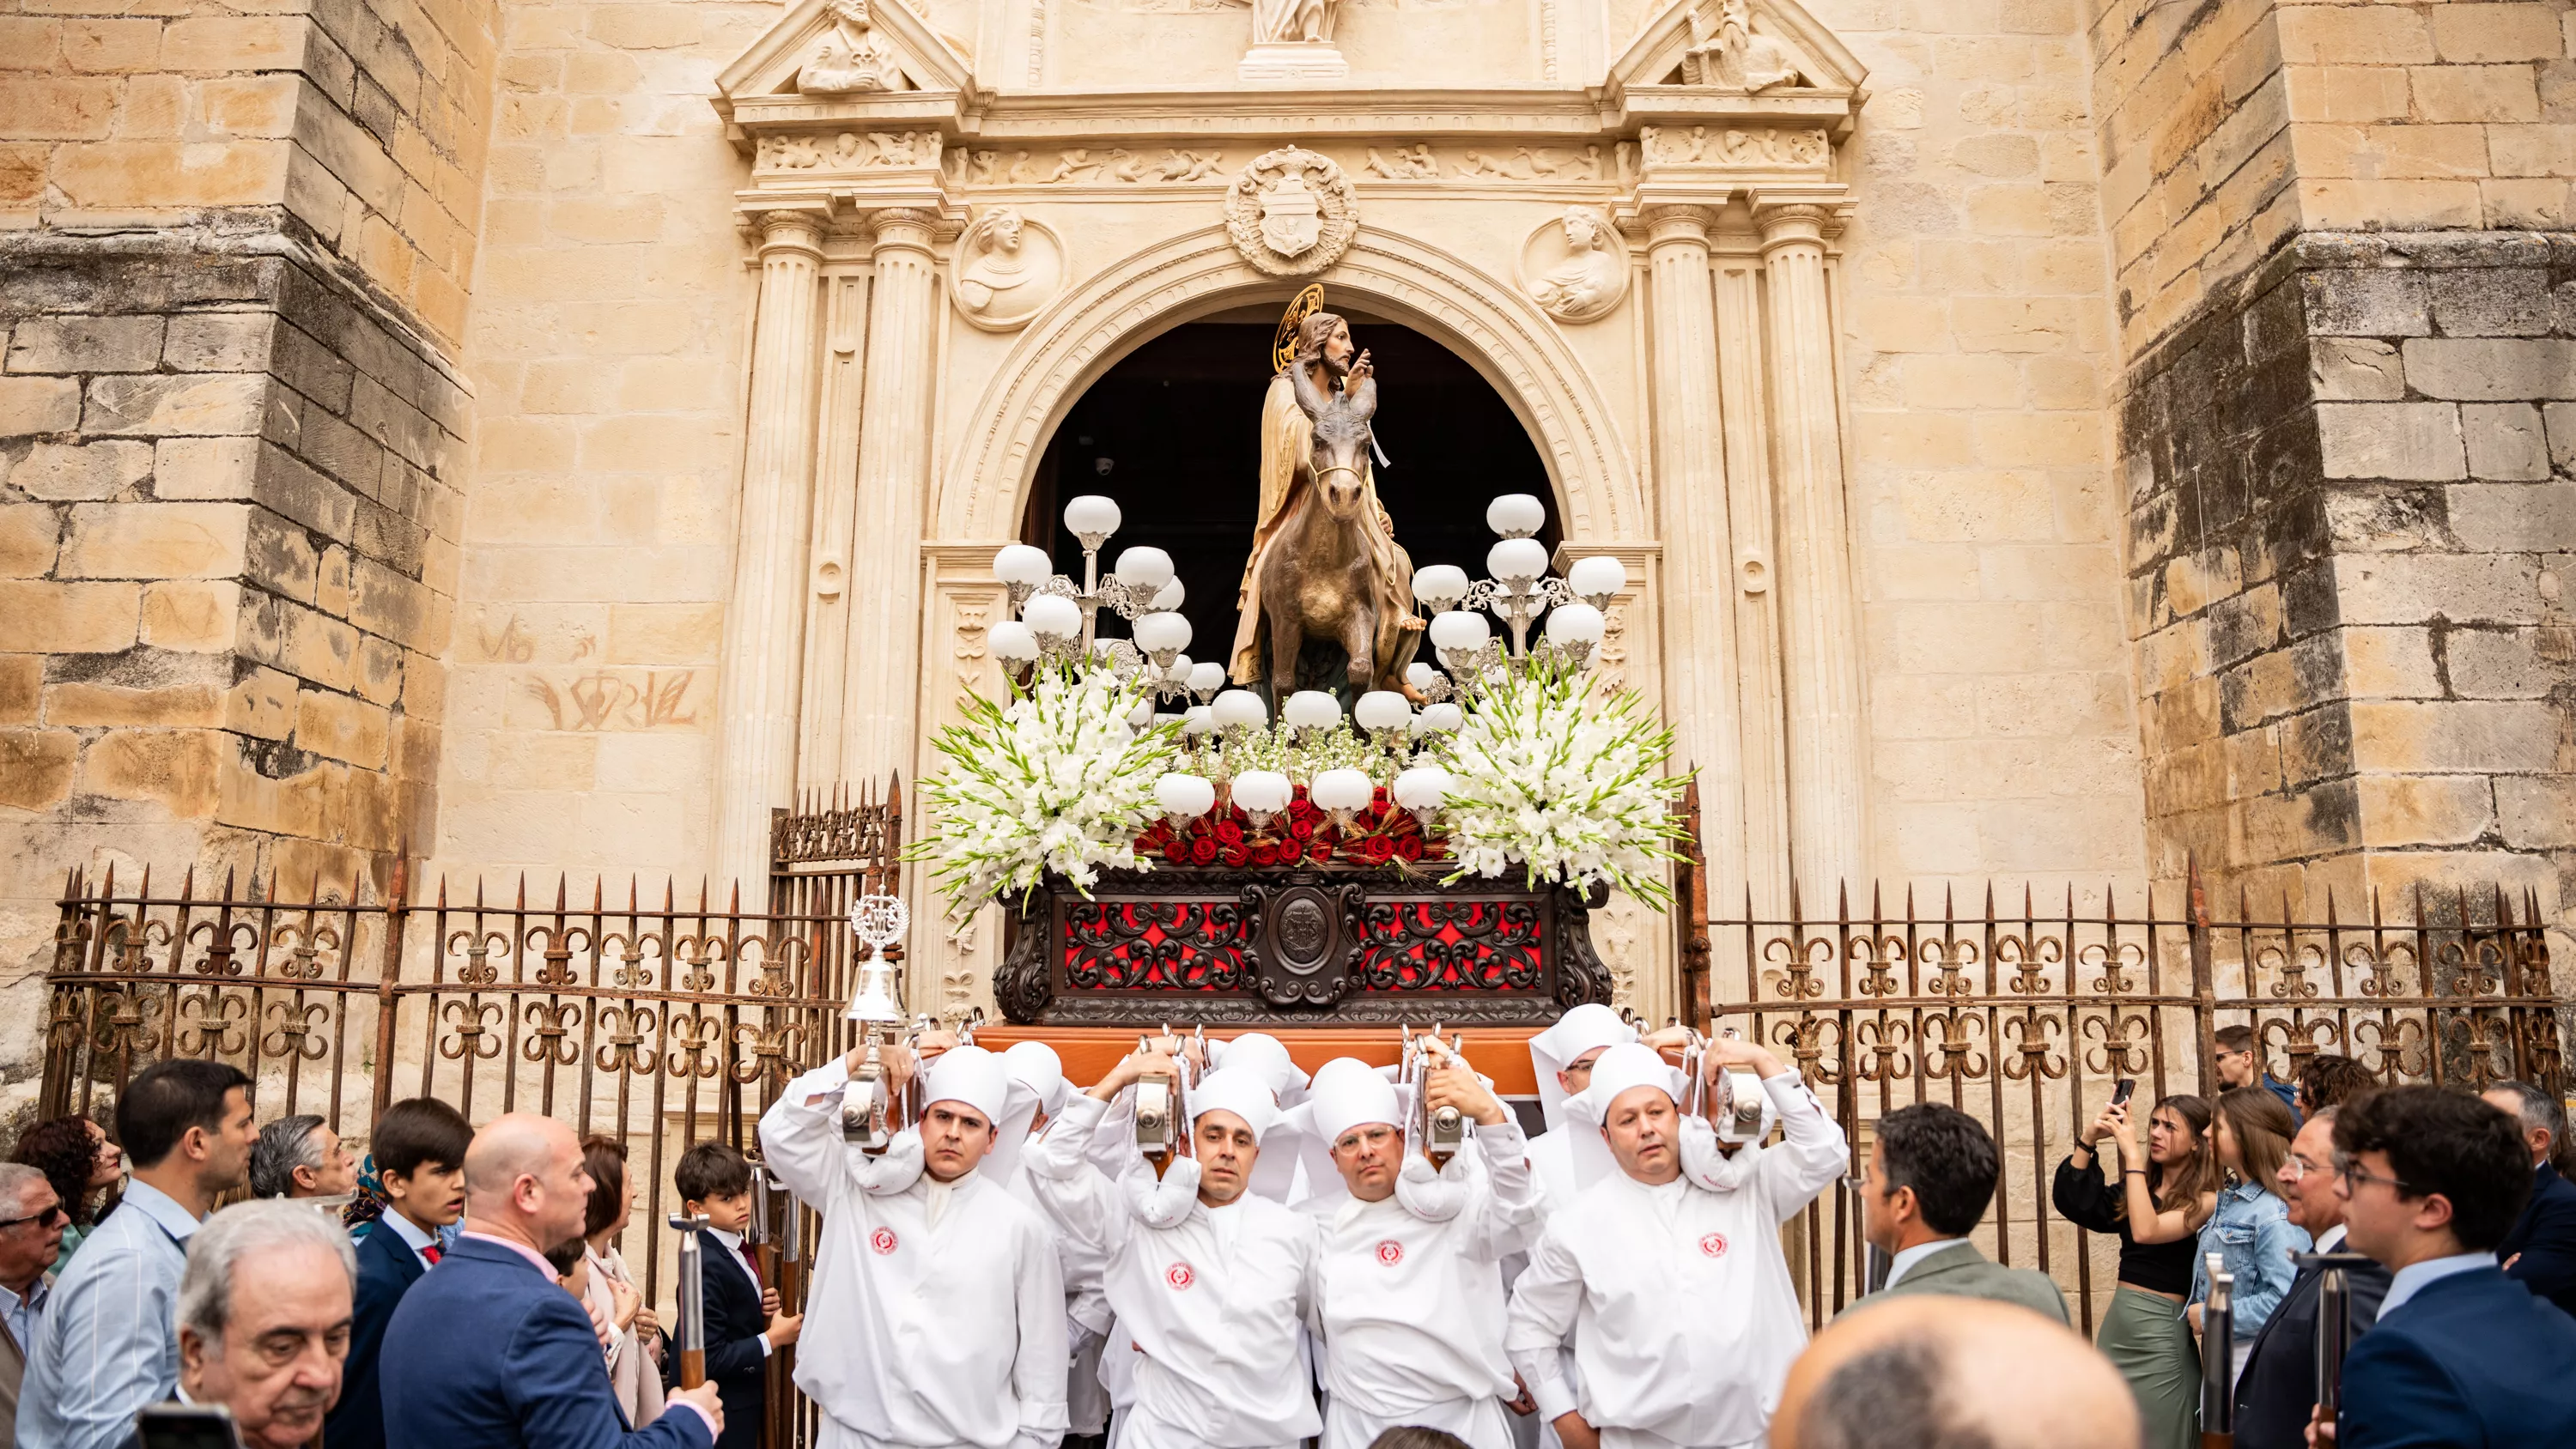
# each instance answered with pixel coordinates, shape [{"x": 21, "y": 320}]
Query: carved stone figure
[
  {"x": 1291, "y": 212},
  {"x": 1007, "y": 267},
  {"x": 1325, "y": 565},
  {"x": 850, "y": 57},
  {"x": 1293, "y": 22},
  {"x": 1410, "y": 163},
  {"x": 1573, "y": 267},
  {"x": 1725, "y": 53}
]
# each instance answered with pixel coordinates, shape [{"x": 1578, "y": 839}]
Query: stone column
[
  {"x": 1690, "y": 485},
  {"x": 894, "y": 479},
  {"x": 836, "y": 506},
  {"x": 1757, "y": 600},
  {"x": 763, "y": 648},
  {"x": 1819, "y": 612}
]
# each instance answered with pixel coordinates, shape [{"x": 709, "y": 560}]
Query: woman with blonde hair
[
  {"x": 2168, "y": 1187},
  {"x": 2251, "y": 1230}
]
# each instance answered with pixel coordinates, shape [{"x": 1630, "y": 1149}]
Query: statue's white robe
[
  {"x": 1411, "y": 1311},
  {"x": 1214, "y": 1303},
  {"x": 936, "y": 1311},
  {"x": 1684, "y": 1319}
]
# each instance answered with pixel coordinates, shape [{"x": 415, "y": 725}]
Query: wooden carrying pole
[{"x": 693, "y": 1299}]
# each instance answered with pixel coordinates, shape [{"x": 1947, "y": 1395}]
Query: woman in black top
[{"x": 2170, "y": 1184}]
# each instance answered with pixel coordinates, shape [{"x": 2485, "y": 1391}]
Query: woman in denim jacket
[{"x": 2251, "y": 1231}]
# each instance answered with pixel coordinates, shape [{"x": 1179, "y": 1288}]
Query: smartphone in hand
[{"x": 2121, "y": 1089}]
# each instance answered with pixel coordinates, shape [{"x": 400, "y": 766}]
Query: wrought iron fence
[{"x": 2026, "y": 1018}]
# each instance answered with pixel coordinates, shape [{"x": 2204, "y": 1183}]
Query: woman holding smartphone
[{"x": 2166, "y": 1189}]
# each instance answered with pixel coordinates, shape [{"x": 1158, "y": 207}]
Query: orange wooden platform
[{"x": 1498, "y": 1052}]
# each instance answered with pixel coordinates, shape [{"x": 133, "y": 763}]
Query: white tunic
[
  {"x": 1411, "y": 1311},
  {"x": 936, "y": 1313},
  {"x": 1214, "y": 1303},
  {"x": 1684, "y": 1318}
]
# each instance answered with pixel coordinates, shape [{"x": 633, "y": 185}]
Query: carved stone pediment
[
  {"x": 1746, "y": 50},
  {"x": 843, "y": 50}
]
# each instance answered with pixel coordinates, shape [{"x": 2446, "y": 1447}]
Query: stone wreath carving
[{"x": 1291, "y": 212}]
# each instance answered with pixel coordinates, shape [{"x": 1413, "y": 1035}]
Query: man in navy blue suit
[
  {"x": 2540, "y": 1252},
  {"x": 2461, "y": 1354},
  {"x": 490, "y": 1352},
  {"x": 419, "y": 1150}
]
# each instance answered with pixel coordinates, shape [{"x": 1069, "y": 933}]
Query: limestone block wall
[
  {"x": 232, "y": 277},
  {"x": 2341, "y": 238}
]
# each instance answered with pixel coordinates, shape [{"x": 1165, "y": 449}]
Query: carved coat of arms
[{"x": 1291, "y": 213}]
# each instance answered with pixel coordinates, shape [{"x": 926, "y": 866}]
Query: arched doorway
[{"x": 1172, "y": 432}]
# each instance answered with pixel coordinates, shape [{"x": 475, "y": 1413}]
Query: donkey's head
[{"x": 1341, "y": 444}]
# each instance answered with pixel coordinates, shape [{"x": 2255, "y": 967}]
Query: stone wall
[
  {"x": 232, "y": 279},
  {"x": 2345, "y": 298}
]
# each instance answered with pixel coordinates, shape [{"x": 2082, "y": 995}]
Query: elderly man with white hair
[
  {"x": 1408, "y": 1287},
  {"x": 31, "y": 1239},
  {"x": 936, "y": 1313},
  {"x": 1207, "y": 1278},
  {"x": 264, "y": 1308},
  {"x": 1667, "y": 1267}
]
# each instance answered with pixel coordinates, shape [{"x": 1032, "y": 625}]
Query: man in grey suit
[
  {"x": 31, "y": 1237},
  {"x": 1931, "y": 1173}
]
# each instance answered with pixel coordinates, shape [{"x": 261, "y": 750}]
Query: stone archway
[{"x": 1482, "y": 318}]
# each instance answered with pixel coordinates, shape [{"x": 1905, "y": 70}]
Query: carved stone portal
[{"x": 1291, "y": 212}]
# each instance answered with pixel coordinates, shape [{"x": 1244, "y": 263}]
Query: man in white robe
[
  {"x": 1668, "y": 1267},
  {"x": 1561, "y": 1060},
  {"x": 936, "y": 1310},
  {"x": 1036, "y": 1070},
  {"x": 1207, "y": 1278},
  {"x": 1408, "y": 1287}
]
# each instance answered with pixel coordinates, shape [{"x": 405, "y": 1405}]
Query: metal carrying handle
[
  {"x": 693, "y": 1298},
  {"x": 2218, "y": 1357}
]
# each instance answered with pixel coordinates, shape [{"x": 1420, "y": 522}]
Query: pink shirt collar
[{"x": 515, "y": 1246}]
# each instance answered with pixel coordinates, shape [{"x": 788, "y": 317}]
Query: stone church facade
[{"x": 2049, "y": 440}]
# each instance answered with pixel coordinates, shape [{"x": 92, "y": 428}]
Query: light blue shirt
[
  {"x": 23, "y": 1314},
  {"x": 2252, "y": 1233},
  {"x": 2410, "y": 1280},
  {"x": 108, "y": 1343},
  {"x": 1903, "y": 1262}
]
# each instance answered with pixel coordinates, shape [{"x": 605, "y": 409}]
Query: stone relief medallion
[
  {"x": 1575, "y": 266},
  {"x": 1007, "y": 268},
  {"x": 1291, "y": 212}
]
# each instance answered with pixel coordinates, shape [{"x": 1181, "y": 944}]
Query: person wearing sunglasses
[{"x": 31, "y": 1238}]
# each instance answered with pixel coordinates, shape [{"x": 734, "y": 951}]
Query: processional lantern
[{"x": 868, "y": 1112}]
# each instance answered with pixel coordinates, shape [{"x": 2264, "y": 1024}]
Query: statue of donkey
[{"x": 1330, "y": 573}]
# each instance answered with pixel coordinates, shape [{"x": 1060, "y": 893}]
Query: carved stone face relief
[
  {"x": 850, "y": 56},
  {"x": 1291, "y": 212},
  {"x": 1007, "y": 268},
  {"x": 1575, "y": 266}
]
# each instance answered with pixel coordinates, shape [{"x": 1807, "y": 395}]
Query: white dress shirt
[{"x": 414, "y": 1236}]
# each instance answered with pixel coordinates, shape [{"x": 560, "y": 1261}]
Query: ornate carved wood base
[{"x": 1298, "y": 947}]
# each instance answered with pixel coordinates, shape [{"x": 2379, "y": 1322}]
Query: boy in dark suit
[
  {"x": 744, "y": 1325},
  {"x": 419, "y": 1149},
  {"x": 2461, "y": 1354}
]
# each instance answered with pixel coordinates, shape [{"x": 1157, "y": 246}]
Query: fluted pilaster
[
  {"x": 1757, "y": 596},
  {"x": 894, "y": 479},
  {"x": 763, "y": 647},
  {"x": 1819, "y": 609},
  {"x": 1690, "y": 482}
]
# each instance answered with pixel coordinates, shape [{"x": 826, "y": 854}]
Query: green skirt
[{"x": 2146, "y": 1338}]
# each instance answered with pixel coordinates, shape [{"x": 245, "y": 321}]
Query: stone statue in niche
[
  {"x": 1725, "y": 53},
  {"x": 1574, "y": 267},
  {"x": 850, "y": 57},
  {"x": 1007, "y": 268},
  {"x": 1293, "y": 22}
]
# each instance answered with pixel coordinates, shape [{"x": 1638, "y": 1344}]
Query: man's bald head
[
  {"x": 524, "y": 1179},
  {"x": 1930, "y": 1371}
]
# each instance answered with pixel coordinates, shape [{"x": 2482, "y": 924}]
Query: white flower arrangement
[
  {"x": 1055, "y": 780},
  {"x": 1553, "y": 776}
]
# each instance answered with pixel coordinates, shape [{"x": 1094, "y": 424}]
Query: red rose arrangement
[{"x": 1380, "y": 835}]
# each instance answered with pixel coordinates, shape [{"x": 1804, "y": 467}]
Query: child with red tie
[{"x": 744, "y": 1325}]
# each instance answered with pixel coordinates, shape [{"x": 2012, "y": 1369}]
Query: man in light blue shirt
[
  {"x": 107, "y": 1345},
  {"x": 31, "y": 1238}
]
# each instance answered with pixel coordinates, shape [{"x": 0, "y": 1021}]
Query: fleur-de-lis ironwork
[
  {"x": 1805, "y": 1039},
  {"x": 2291, "y": 968},
  {"x": 133, "y": 944},
  {"x": 777, "y": 961},
  {"x": 1877, "y": 957},
  {"x": 2029, "y": 956},
  {"x": 1947, "y": 1033},
  {"x": 2469, "y": 967},
  {"x": 477, "y": 1033},
  {"x": 2488, "y": 1036},
  {"x": 479, "y": 968},
  {"x": 2383, "y": 974},
  {"x": 766, "y": 1052},
  {"x": 694, "y": 1039},
  {"x": 2114, "y": 960},
  {"x": 2400, "y": 1045},
  {"x": 211, "y": 1016},
  {"x": 222, "y": 941},
  {"x": 1800, "y": 960},
  {"x": 550, "y": 1027},
  {"x": 700, "y": 956},
  {"x": 297, "y": 1030},
  {"x": 631, "y": 954},
  {"x": 1950, "y": 960},
  {"x": 557, "y": 947},
  {"x": 303, "y": 949},
  {"x": 2303, "y": 1038},
  {"x": 126, "y": 1025},
  {"x": 2121, "y": 1041},
  {"x": 2034, "y": 1048},
  {"x": 627, "y": 1028},
  {"x": 1883, "y": 1042},
  {"x": 65, "y": 1024}
]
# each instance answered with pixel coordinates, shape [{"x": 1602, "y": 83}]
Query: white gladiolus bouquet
[
  {"x": 1054, "y": 780},
  {"x": 1552, "y": 776}
]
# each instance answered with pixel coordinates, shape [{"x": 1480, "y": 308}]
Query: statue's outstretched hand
[{"x": 1361, "y": 368}]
